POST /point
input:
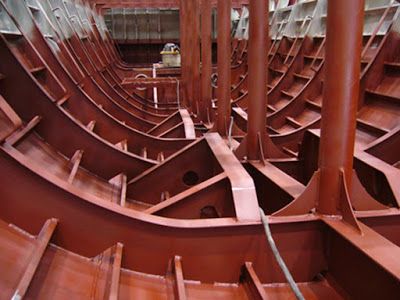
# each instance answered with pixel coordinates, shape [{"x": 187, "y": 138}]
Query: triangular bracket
[{"x": 355, "y": 198}]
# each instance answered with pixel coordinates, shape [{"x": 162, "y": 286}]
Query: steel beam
[
  {"x": 171, "y": 4},
  {"x": 224, "y": 66}
]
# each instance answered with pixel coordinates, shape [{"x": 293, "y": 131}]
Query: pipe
[
  {"x": 341, "y": 91},
  {"x": 257, "y": 61},
  {"x": 224, "y": 65}
]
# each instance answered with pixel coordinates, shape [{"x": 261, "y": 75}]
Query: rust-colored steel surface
[
  {"x": 206, "y": 62},
  {"x": 341, "y": 90},
  {"x": 118, "y": 182},
  {"x": 190, "y": 28},
  {"x": 257, "y": 71},
  {"x": 154, "y": 3},
  {"x": 257, "y": 144},
  {"x": 224, "y": 67}
]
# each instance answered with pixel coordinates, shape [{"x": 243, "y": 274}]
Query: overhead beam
[{"x": 171, "y": 4}]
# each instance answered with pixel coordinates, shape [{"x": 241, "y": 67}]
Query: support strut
[
  {"x": 190, "y": 51},
  {"x": 334, "y": 189},
  {"x": 206, "y": 62},
  {"x": 257, "y": 144},
  {"x": 224, "y": 66},
  {"x": 341, "y": 90}
]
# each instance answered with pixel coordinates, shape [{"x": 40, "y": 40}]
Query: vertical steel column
[
  {"x": 258, "y": 58},
  {"x": 224, "y": 65},
  {"x": 185, "y": 55},
  {"x": 194, "y": 40},
  {"x": 341, "y": 91},
  {"x": 206, "y": 61},
  {"x": 190, "y": 51}
]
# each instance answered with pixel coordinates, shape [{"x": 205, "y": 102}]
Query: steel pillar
[
  {"x": 190, "y": 51},
  {"x": 194, "y": 40},
  {"x": 257, "y": 145},
  {"x": 206, "y": 61},
  {"x": 183, "y": 23},
  {"x": 224, "y": 66},
  {"x": 335, "y": 188},
  {"x": 341, "y": 92},
  {"x": 257, "y": 109}
]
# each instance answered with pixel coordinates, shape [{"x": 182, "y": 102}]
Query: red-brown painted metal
[
  {"x": 195, "y": 56},
  {"x": 341, "y": 90},
  {"x": 224, "y": 67},
  {"x": 257, "y": 110},
  {"x": 334, "y": 189},
  {"x": 190, "y": 47},
  {"x": 155, "y": 3},
  {"x": 206, "y": 62},
  {"x": 187, "y": 225},
  {"x": 257, "y": 144},
  {"x": 184, "y": 22}
]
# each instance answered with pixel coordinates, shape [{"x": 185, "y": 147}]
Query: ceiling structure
[{"x": 153, "y": 3}]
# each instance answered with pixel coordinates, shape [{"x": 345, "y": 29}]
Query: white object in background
[{"x": 155, "y": 91}]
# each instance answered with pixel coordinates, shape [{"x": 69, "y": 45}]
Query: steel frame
[{"x": 163, "y": 200}]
